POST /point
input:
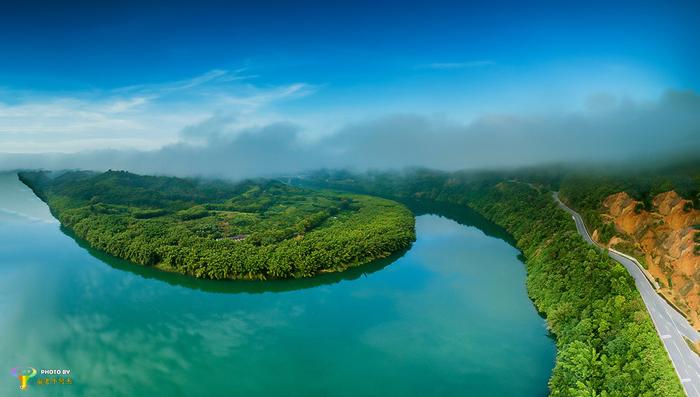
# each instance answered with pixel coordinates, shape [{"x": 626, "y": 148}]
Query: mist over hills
[{"x": 607, "y": 131}]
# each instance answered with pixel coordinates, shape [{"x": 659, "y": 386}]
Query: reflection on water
[
  {"x": 461, "y": 214},
  {"x": 237, "y": 286},
  {"x": 448, "y": 317}
]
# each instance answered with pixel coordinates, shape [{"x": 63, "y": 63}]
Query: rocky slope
[{"x": 664, "y": 239}]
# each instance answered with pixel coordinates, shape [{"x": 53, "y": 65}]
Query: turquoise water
[{"x": 449, "y": 317}]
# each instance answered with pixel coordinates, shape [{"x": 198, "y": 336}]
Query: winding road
[{"x": 671, "y": 326}]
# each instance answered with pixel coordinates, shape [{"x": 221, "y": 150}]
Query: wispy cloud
[
  {"x": 256, "y": 97},
  {"x": 144, "y": 116},
  {"x": 213, "y": 76},
  {"x": 456, "y": 65}
]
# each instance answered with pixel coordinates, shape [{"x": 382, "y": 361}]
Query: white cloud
[
  {"x": 123, "y": 105},
  {"x": 180, "y": 85},
  {"x": 623, "y": 130},
  {"x": 256, "y": 98},
  {"x": 139, "y": 117}
]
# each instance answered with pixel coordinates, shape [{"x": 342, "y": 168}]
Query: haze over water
[{"x": 450, "y": 315}]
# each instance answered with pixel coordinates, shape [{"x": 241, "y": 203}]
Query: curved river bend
[{"x": 449, "y": 317}]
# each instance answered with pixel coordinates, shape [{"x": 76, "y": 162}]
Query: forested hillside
[
  {"x": 220, "y": 230},
  {"x": 653, "y": 216},
  {"x": 606, "y": 342}
]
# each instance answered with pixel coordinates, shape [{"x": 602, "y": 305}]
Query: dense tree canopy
[
  {"x": 607, "y": 344},
  {"x": 220, "y": 230}
]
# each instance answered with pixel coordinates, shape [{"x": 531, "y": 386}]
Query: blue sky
[
  {"x": 82, "y": 76},
  {"x": 98, "y": 45}
]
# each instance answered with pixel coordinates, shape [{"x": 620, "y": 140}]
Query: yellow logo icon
[{"x": 23, "y": 374}]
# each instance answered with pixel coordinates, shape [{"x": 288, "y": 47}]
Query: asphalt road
[{"x": 670, "y": 325}]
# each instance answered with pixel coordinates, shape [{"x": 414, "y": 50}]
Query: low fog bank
[{"x": 607, "y": 131}]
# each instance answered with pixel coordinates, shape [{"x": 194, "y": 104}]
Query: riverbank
[
  {"x": 605, "y": 338},
  {"x": 414, "y": 328}
]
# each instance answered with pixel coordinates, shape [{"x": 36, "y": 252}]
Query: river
[{"x": 448, "y": 317}]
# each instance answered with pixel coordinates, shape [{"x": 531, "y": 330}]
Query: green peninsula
[{"x": 255, "y": 229}]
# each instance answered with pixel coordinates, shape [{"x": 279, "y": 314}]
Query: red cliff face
[{"x": 665, "y": 239}]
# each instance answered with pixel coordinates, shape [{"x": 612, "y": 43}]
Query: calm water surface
[{"x": 449, "y": 317}]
